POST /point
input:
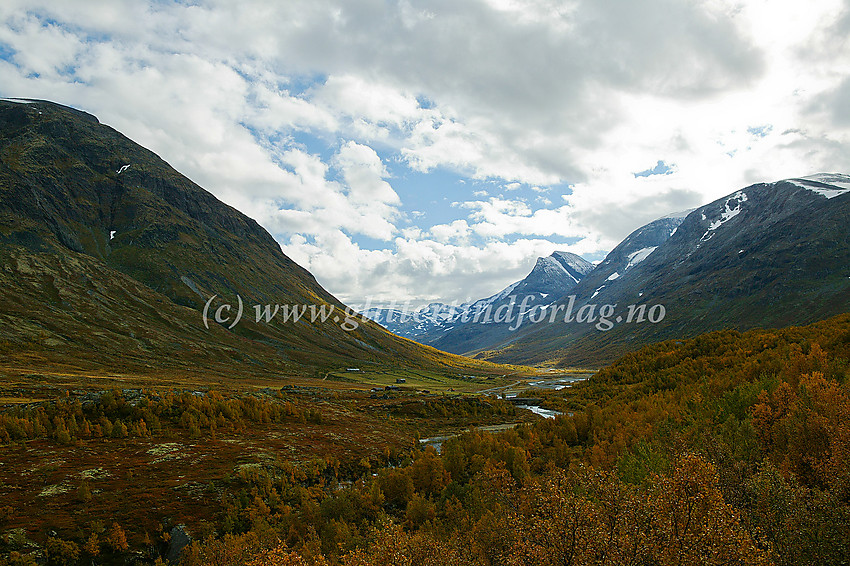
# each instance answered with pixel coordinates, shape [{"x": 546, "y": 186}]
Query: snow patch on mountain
[
  {"x": 731, "y": 209},
  {"x": 728, "y": 212},
  {"x": 829, "y": 185},
  {"x": 640, "y": 255},
  {"x": 18, "y": 100}
]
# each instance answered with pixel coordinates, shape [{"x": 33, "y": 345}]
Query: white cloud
[
  {"x": 457, "y": 231},
  {"x": 44, "y": 49},
  {"x": 418, "y": 270},
  {"x": 364, "y": 173},
  {"x": 533, "y": 95}
]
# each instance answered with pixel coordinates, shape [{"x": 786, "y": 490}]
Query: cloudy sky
[{"x": 432, "y": 150}]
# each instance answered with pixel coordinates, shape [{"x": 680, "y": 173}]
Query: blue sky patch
[
  {"x": 760, "y": 131},
  {"x": 7, "y": 53},
  {"x": 661, "y": 168}
]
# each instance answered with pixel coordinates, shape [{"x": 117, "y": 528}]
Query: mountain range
[
  {"x": 112, "y": 259},
  {"x": 462, "y": 328},
  {"x": 770, "y": 255}
]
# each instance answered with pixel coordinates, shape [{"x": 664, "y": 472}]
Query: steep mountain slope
[
  {"x": 573, "y": 275},
  {"x": 469, "y": 326},
  {"x": 633, "y": 250},
  {"x": 494, "y": 321},
  {"x": 109, "y": 257},
  {"x": 770, "y": 255}
]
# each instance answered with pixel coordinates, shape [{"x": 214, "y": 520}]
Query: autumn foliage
[{"x": 728, "y": 448}]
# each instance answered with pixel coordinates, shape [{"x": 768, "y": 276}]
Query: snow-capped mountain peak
[
  {"x": 552, "y": 267},
  {"x": 550, "y": 279}
]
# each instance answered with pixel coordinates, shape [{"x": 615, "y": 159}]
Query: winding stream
[{"x": 551, "y": 383}]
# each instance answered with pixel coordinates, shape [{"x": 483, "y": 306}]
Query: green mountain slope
[{"x": 109, "y": 256}]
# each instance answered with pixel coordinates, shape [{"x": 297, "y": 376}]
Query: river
[{"x": 550, "y": 382}]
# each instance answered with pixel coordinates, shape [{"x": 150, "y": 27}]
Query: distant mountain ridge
[
  {"x": 772, "y": 254},
  {"x": 450, "y": 327},
  {"x": 769, "y": 255}
]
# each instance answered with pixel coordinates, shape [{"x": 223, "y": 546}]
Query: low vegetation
[{"x": 728, "y": 448}]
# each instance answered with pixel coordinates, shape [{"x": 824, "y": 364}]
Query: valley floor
[
  {"x": 147, "y": 482},
  {"x": 727, "y": 448}
]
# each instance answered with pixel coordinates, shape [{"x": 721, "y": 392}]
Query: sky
[{"x": 431, "y": 151}]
